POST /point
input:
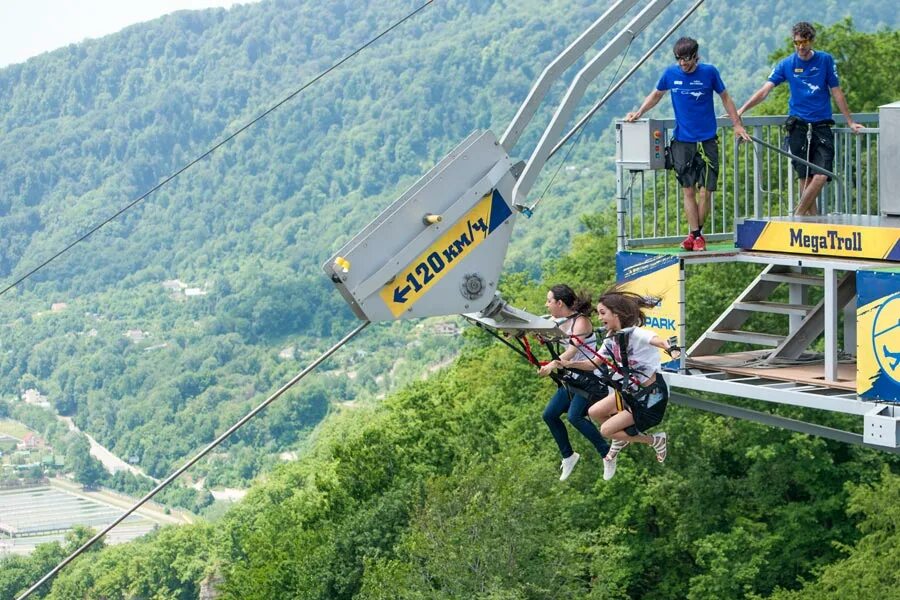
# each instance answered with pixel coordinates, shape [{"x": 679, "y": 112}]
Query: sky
[{"x": 32, "y": 27}]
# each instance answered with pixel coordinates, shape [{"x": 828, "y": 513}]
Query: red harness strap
[{"x": 609, "y": 363}]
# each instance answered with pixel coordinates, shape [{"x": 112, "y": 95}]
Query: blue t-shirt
[
  {"x": 692, "y": 99},
  {"x": 810, "y": 82}
]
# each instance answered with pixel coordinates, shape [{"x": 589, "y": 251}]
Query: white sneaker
[
  {"x": 609, "y": 467},
  {"x": 567, "y": 465}
]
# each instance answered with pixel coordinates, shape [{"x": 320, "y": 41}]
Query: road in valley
[{"x": 111, "y": 462}]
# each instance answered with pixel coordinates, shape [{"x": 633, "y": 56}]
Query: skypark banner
[
  {"x": 822, "y": 239},
  {"x": 656, "y": 277}
]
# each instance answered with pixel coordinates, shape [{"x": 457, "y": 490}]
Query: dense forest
[
  {"x": 449, "y": 489},
  {"x": 88, "y": 128},
  {"x": 446, "y": 488}
]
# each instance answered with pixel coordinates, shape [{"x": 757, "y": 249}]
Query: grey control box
[{"x": 641, "y": 144}]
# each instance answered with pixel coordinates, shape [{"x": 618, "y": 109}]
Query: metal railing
[{"x": 755, "y": 181}]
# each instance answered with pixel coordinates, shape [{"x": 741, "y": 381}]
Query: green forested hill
[
  {"x": 448, "y": 489},
  {"x": 88, "y": 128}
]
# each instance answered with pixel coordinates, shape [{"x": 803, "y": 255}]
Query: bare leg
[
  {"x": 614, "y": 428},
  {"x": 702, "y": 207},
  {"x": 812, "y": 187},
  {"x": 690, "y": 209},
  {"x": 603, "y": 410}
]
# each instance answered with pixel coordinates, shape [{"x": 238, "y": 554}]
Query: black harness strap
[
  {"x": 634, "y": 393},
  {"x": 524, "y": 351}
]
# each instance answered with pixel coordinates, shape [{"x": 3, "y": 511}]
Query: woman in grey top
[{"x": 571, "y": 311}]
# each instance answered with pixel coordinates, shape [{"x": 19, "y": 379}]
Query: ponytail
[{"x": 580, "y": 302}]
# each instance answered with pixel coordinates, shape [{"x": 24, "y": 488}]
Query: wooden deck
[{"x": 813, "y": 373}]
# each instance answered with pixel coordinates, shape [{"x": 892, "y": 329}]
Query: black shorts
[
  {"x": 645, "y": 416},
  {"x": 821, "y": 148},
  {"x": 696, "y": 163}
]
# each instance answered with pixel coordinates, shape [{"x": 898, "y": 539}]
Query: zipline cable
[
  {"x": 268, "y": 400},
  {"x": 217, "y": 146},
  {"x": 191, "y": 462}
]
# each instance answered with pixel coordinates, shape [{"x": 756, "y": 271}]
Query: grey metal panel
[
  {"x": 738, "y": 412},
  {"x": 889, "y": 158},
  {"x": 474, "y": 176},
  {"x": 643, "y": 145},
  {"x": 398, "y": 223},
  {"x": 500, "y": 316},
  {"x": 427, "y": 234},
  {"x": 778, "y": 396},
  {"x": 882, "y": 426}
]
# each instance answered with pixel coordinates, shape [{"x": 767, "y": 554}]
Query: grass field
[{"x": 13, "y": 428}]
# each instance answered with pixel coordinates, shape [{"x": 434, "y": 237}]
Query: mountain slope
[{"x": 88, "y": 128}]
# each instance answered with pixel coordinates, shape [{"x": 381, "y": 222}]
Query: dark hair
[
  {"x": 580, "y": 302},
  {"x": 804, "y": 30},
  {"x": 626, "y": 305},
  {"x": 686, "y": 47}
]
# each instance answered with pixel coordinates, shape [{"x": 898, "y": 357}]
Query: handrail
[
  {"x": 816, "y": 168},
  {"x": 757, "y": 181}
]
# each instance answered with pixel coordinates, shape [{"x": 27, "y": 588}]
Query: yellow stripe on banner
[{"x": 440, "y": 258}]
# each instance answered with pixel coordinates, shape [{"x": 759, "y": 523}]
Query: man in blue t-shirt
[
  {"x": 694, "y": 146},
  {"x": 813, "y": 80}
]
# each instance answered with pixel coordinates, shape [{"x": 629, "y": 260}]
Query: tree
[{"x": 87, "y": 470}]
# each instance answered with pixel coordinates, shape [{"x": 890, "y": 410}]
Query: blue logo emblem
[{"x": 886, "y": 337}]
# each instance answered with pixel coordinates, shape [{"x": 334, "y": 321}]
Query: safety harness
[
  {"x": 627, "y": 387},
  {"x": 707, "y": 161}
]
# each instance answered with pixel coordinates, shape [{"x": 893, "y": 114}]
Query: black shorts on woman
[
  {"x": 645, "y": 417},
  {"x": 696, "y": 163}
]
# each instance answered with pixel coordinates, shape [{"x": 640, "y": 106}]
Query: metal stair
[{"x": 807, "y": 321}]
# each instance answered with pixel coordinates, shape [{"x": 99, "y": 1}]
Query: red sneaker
[
  {"x": 699, "y": 244},
  {"x": 688, "y": 243}
]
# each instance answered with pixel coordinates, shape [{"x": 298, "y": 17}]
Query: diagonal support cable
[
  {"x": 230, "y": 137},
  {"x": 192, "y": 461}
]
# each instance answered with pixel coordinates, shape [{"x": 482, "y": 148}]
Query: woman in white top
[
  {"x": 571, "y": 311},
  {"x": 625, "y": 417}
]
